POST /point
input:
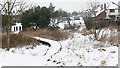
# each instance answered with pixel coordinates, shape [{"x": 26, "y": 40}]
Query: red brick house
[
  {"x": 100, "y": 16},
  {"x": 107, "y": 11}
]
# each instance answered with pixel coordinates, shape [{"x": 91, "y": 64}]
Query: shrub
[
  {"x": 89, "y": 23},
  {"x": 102, "y": 23},
  {"x": 49, "y": 33}
]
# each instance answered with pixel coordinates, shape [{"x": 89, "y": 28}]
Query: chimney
[
  {"x": 101, "y": 6},
  {"x": 105, "y": 6}
]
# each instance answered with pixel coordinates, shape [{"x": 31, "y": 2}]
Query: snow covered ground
[{"x": 78, "y": 50}]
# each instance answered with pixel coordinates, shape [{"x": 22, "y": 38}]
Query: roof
[
  {"x": 109, "y": 5},
  {"x": 112, "y": 6},
  {"x": 119, "y": 3},
  {"x": 17, "y": 24},
  {"x": 99, "y": 10}
]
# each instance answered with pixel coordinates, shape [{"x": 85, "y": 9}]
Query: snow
[
  {"x": 107, "y": 33},
  {"x": 112, "y": 6},
  {"x": 99, "y": 12},
  {"x": 64, "y": 24},
  {"x": 78, "y": 50},
  {"x": 61, "y": 25}
]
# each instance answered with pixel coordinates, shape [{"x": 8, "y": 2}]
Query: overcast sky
[{"x": 68, "y": 5}]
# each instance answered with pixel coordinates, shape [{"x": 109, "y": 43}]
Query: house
[
  {"x": 108, "y": 11},
  {"x": 16, "y": 28},
  {"x": 100, "y": 12},
  {"x": 78, "y": 21},
  {"x": 112, "y": 12}
]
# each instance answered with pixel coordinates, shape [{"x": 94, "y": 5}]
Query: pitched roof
[
  {"x": 112, "y": 6},
  {"x": 109, "y": 5}
]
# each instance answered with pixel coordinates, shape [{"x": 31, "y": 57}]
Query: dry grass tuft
[
  {"x": 49, "y": 33},
  {"x": 87, "y": 32},
  {"x": 18, "y": 40},
  {"x": 103, "y": 62},
  {"x": 112, "y": 39},
  {"x": 102, "y": 39}
]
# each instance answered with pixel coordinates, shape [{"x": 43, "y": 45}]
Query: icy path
[{"x": 53, "y": 49}]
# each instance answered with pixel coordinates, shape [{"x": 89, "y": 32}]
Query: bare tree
[
  {"x": 93, "y": 5},
  {"x": 9, "y": 8}
]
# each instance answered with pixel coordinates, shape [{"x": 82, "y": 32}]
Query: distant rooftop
[
  {"x": 112, "y": 6},
  {"x": 119, "y": 3},
  {"x": 104, "y": 6}
]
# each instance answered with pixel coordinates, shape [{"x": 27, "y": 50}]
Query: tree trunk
[
  {"x": 95, "y": 34},
  {"x": 8, "y": 26},
  {"x": 0, "y": 30}
]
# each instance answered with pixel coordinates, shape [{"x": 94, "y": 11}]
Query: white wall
[
  {"x": 112, "y": 6},
  {"x": 112, "y": 13},
  {"x": 16, "y": 28}
]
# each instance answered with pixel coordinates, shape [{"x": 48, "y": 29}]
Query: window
[
  {"x": 112, "y": 17},
  {"x": 76, "y": 18},
  {"x": 16, "y": 29},
  {"x": 20, "y": 28},
  {"x": 112, "y": 10},
  {"x": 119, "y": 10}
]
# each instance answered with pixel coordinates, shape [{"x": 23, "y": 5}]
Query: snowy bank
[{"x": 78, "y": 50}]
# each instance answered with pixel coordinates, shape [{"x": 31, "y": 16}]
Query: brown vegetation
[
  {"x": 87, "y": 32},
  {"x": 49, "y": 33},
  {"x": 24, "y": 38},
  {"x": 103, "y": 62},
  {"x": 18, "y": 40},
  {"x": 113, "y": 40}
]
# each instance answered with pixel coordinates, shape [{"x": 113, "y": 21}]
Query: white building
[
  {"x": 16, "y": 28},
  {"x": 108, "y": 10},
  {"x": 76, "y": 22},
  {"x": 112, "y": 11}
]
